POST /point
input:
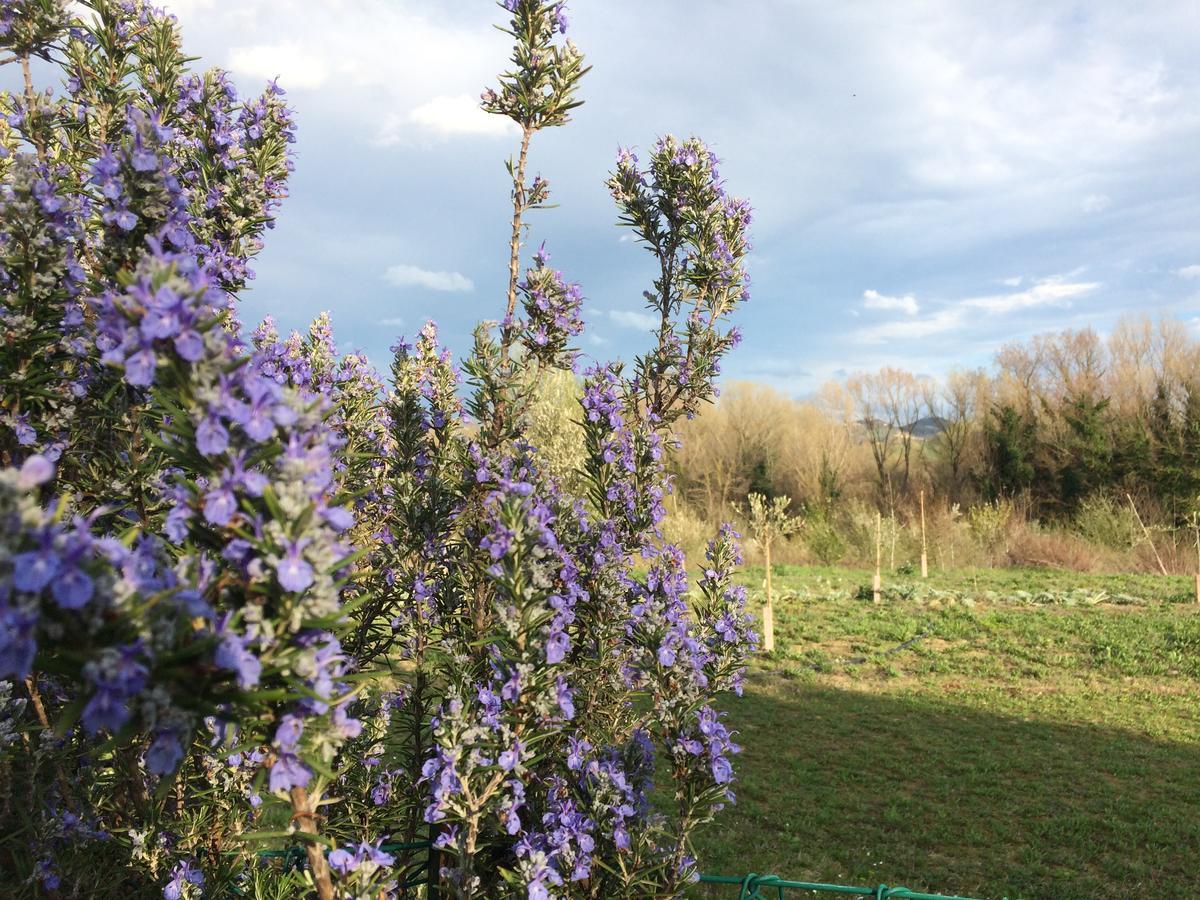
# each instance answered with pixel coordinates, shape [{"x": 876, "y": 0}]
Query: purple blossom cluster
[
  {"x": 557, "y": 10},
  {"x": 236, "y": 168},
  {"x": 348, "y": 860},
  {"x": 625, "y": 454},
  {"x": 711, "y": 741},
  {"x": 560, "y": 851},
  {"x": 59, "y": 577},
  {"x": 41, "y": 240},
  {"x": 186, "y": 882},
  {"x": 678, "y": 207},
  {"x": 552, "y": 312}
]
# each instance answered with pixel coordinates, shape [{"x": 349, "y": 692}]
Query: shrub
[
  {"x": 1052, "y": 549},
  {"x": 990, "y": 524},
  {"x": 1107, "y": 522},
  {"x": 256, "y": 595},
  {"x": 823, "y": 542}
]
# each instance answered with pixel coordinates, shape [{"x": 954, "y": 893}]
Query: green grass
[{"x": 1022, "y": 748}]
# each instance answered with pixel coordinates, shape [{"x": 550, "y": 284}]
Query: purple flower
[
  {"x": 106, "y": 709},
  {"x": 72, "y": 589},
  {"x": 183, "y": 874},
  {"x": 375, "y": 853},
  {"x": 722, "y": 770},
  {"x": 234, "y": 655},
  {"x": 212, "y": 438},
  {"x": 17, "y": 644},
  {"x": 219, "y": 507},
  {"x": 140, "y": 367},
  {"x": 35, "y": 470},
  {"x": 160, "y": 323},
  {"x": 33, "y": 570},
  {"x": 557, "y": 646},
  {"x": 338, "y": 517},
  {"x": 577, "y": 751},
  {"x": 46, "y": 875},
  {"x": 510, "y": 758},
  {"x": 189, "y": 345},
  {"x": 288, "y": 772},
  {"x": 26, "y": 435},
  {"x": 165, "y": 754},
  {"x": 343, "y": 861},
  {"x": 176, "y": 525},
  {"x": 346, "y": 726},
  {"x": 566, "y": 699},
  {"x": 143, "y": 161},
  {"x": 293, "y": 572},
  {"x": 287, "y": 735}
]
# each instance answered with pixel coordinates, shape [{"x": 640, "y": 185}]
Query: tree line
[{"x": 1055, "y": 420}]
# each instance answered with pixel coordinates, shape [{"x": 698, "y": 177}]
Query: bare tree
[
  {"x": 818, "y": 446},
  {"x": 729, "y": 443},
  {"x": 866, "y": 393},
  {"x": 955, "y": 406},
  {"x": 889, "y": 403}
]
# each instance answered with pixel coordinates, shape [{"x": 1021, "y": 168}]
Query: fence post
[
  {"x": 878, "y": 555},
  {"x": 924, "y": 547},
  {"x": 768, "y": 607},
  {"x": 433, "y": 876}
]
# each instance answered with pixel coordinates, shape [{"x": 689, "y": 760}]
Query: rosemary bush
[{"x": 255, "y": 595}]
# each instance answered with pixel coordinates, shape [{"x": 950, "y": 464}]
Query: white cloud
[
  {"x": 941, "y": 322},
  {"x": 443, "y": 118},
  {"x": 1189, "y": 272},
  {"x": 875, "y": 300},
  {"x": 1015, "y": 281},
  {"x": 392, "y": 322},
  {"x": 640, "y": 320},
  {"x": 1055, "y": 291},
  {"x": 294, "y": 65},
  {"x": 389, "y": 70},
  {"x": 184, "y": 9},
  {"x": 1094, "y": 203},
  {"x": 1047, "y": 292},
  {"x": 414, "y": 276}
]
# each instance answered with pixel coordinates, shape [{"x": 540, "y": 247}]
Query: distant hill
[{"x": 929, "y": 426}]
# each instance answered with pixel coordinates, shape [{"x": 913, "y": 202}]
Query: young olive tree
[
  {"x": 768, "y": 520},
  {"x": 261, "y": 605}
]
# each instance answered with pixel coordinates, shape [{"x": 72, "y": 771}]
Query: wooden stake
[
  {"x": 878, "y": 554},
  {"x": 924, "y": 547},
  {"x": 1146, "y": 531},
  {"x": 1196, "y": 528},
  {"x": 768, "y": 610}
]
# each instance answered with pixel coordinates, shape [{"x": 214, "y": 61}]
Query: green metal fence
[
  {"x": 763, "y": 887},
  {"x": 750, "y": 887}
]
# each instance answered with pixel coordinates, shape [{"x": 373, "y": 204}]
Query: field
[{"x": 999, "y": 733}]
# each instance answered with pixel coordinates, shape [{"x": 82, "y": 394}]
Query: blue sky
[{"x": 930, "y": 179}]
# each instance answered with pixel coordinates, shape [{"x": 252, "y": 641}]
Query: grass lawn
[{"x": 1033, "y": 742}]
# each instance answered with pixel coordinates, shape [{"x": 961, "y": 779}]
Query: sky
[{"x": 930, "y": 179}]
